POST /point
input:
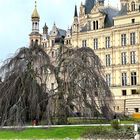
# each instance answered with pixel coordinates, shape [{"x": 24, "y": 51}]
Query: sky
[{"x": 15, "y": 20}]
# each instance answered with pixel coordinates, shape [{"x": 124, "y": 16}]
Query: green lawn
[
  {"x": 58, "y": 133},
  {"x": 127, "y": 122},
  {"x": 64, "y": 132}
]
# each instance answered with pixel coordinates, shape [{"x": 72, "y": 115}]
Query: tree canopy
[{"x": 24, "y": 91}]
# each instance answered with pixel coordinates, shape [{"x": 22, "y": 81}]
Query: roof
[
  {"x": 110, "y": 12},
  {"x": 75, "y": 12},
  {"x": 89, "y": 4},
  {"x": 35, "y": 33},
  {"x": 123, "y": 11},
  {"x": 57, "y": 32},
  {"x": 62, "y": 32}
]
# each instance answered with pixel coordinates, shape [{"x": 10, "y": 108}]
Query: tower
[
  {"x": 75, "y": 26},
  {"x": 35, "y": 36},
  {"x": 45, "y": 29},
  {"x": 68, "y": 37}
]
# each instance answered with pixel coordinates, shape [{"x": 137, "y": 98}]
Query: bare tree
[
  {"x": 23, "y": 93},
  {"x": 79, "y": 75}
]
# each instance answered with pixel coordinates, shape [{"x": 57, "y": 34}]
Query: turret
[
  {"x": 35, "y": 36},
  {"x": 35, "y": 20},
  {"x": 75, "y": 26},
  {"x": 68, "y": 37},
  {"x": 45, "y": 29}
]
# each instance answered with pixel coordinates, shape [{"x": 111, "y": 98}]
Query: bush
[
  {"x": 108, "y": 133},
  {"x": 115, "y": 124}
]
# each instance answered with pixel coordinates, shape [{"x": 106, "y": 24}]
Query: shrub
[
  {"x": 107, "y": 133},
  {"x": 115, "y": 124}
]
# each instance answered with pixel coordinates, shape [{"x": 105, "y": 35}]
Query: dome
[{"x": 35, "y": 13}]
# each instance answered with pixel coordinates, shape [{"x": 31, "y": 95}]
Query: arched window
[
  {"x": 94, "y": 26},
  {"x": 32, "y": 42},
  {"x": 67, "y": 42},
  {"x": 36, "y": 42},
  {"x": 133, "y": 6},
  {"x": 33, "y": 25},
  {"x": 36, "y": 26}
]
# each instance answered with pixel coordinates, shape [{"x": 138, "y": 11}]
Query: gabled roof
[
  {"x": 62, "y": 32},
  {"x": 57, "y": 32},
  {"x": 109, "y": 13}
]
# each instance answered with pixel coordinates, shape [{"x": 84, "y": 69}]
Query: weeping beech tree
[
  {"x": 24, "y": 92},
  {"x": 80, "y": 78}
]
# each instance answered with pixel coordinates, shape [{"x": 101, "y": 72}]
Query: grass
[
  {"x": 58, "y": 133},
  {"x": 127, "y": 122},
  {"x": 61, "y": 133},
  {"x": 55, "y": 133}
]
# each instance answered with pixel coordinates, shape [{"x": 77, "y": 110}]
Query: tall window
[
  {"x": 107, "y": 42},
  {"x": 97, "y": 25},
  {"x": 108, "y": 60},
  {"x": 123, "y": 40},
  {"x": 133, "y": 57},
  {"x": 89, "y": 25},
  {"x": 95, "y": 43},
  {"x": 132, "y": 38},
  {"x": 123, "y": 58},
  {"x": 133, "y": 6},
  {"x": 53, "y": 42},
  {"x": 133, "y": 78},
  {"x": 124, "y": 79},
  {"x": 108, "y": 79},
  {"x": 84, "y": 43},
  {"x": 94, "y": 25}
]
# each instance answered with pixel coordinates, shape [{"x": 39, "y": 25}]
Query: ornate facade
[{"x": 114, "y": 35}]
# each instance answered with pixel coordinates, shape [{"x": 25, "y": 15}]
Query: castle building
[{"x": 114, "y": 35}]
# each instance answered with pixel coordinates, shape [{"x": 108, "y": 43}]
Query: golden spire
[{"x": 35, "y": 12}]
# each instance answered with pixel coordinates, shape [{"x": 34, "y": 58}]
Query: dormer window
[{"x": 133, "y": 6}]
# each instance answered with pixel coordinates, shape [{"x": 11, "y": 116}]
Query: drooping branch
[{"x": 23, "y": 95}]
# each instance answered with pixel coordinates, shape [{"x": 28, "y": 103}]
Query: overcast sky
[{"x": 15, "y": 20}]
